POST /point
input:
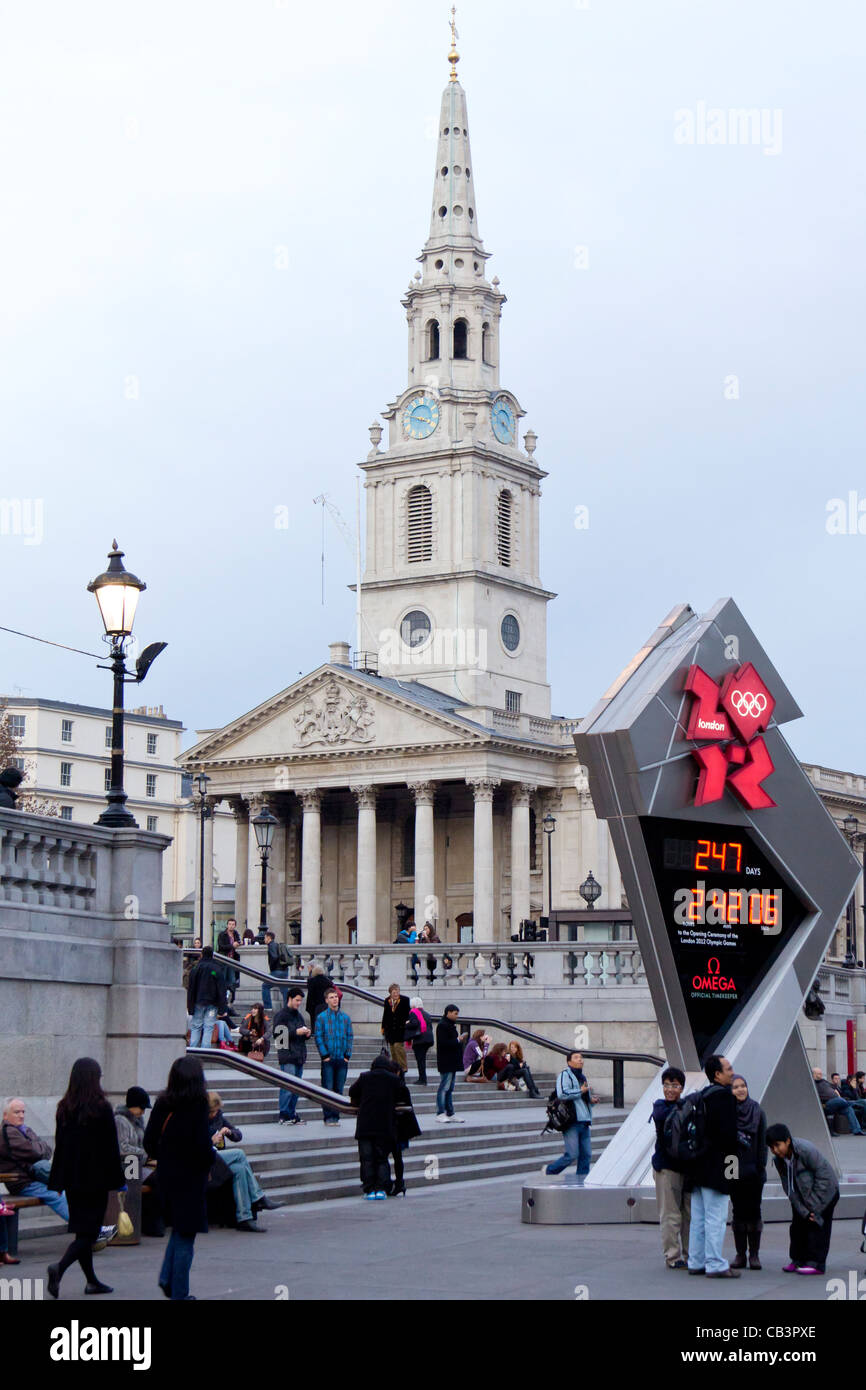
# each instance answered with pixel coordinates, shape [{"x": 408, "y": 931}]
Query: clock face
[
  {"x": 503, "y": 420},
  {"x": 420, "y": 416}
]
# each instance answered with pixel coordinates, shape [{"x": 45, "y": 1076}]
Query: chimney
[{"x": 338, "y": 654}]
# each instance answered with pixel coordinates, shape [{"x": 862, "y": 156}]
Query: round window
[
  {"x": 510, "y": 632},
  {"x": 415, "y": 628}
]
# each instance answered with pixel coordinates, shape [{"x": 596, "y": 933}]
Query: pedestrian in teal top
[
  {"x": 571, "y": 1084},
  {"x": 334, "y": 1041}
]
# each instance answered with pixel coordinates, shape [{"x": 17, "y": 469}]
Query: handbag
[{"x": 125, "y": 1227}]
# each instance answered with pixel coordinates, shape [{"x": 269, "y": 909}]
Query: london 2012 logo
[{"x": 734, "y": 712}]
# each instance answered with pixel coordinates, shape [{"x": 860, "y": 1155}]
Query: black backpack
[
  {"x": 684, "y": 1134},
  {"x": 561, "y": 1114},
  {"x": 284, "y": 956}
]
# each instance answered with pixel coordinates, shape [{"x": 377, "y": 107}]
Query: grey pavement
[{"x": 346, "y": 1249}]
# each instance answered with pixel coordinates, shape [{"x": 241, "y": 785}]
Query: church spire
[{"x": 453, "y": 56}]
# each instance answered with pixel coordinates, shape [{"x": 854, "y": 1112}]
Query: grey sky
[{"x": 162, "y": 379}]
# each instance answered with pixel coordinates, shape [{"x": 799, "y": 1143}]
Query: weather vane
[{"x": 453, "y": 56}]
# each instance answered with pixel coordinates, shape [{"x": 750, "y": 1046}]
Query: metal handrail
[
  {"x": 308, "y": 1089},
  {"x": 618, "y": 1059}
]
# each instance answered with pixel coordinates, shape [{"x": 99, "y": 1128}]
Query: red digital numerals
[{"x": 734, "y": 712}]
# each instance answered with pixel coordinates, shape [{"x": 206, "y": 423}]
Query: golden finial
[{"x": 453, "y": 56}]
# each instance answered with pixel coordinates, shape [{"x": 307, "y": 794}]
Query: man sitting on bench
[{"x": 25, "y": 1160}]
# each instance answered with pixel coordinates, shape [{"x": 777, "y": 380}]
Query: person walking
[
  {"x": 748, "y": 1185},
  {"x": 279, "y": 961},
  {"x": 290, "y": 1040},
  {"x": 419, "y": 1035},
  {"x": 205, "y": 998},
  {"x": 709, "y": 1173},
  {"x": 178, "y": 1138},
  {"x": 809, "y": 1182},
  {"x": 86, "y": 1166},
  {"x": 673, "y": 1193},
  {"x": 449, "y": 1061},
  {"x": 334, "y": 1040},
  {"x": 377, "y": 1093},
  {"x": 572, "y": 1085},
  {"x": 395, "y": 1012}
]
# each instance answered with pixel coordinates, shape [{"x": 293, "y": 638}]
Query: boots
[
  {"x": 754, "y": 1230},
  {"x": 739, "y": 1229}
]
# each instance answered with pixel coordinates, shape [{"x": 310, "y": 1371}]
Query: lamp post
[
  {"x": 265, "y": 825},
  {"x": 851, "y": 826},
  {"x": 548, "y": 825},
  {"x": 117, "y": 594},
  {"x": 590, "y": 890},
  {"x": 201, "y": 781}
]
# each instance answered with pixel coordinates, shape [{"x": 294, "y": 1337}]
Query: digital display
[{"x": 728, "y": 912}]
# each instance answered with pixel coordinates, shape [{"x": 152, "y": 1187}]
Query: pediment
[{"x": 331, "y": 712}]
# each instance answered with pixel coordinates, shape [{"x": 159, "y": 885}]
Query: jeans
[
  {"x": 707, "y": 1233},
  {"x": 203, "y": 1019},
  {"x": 445, "y": 1094},
  {"x": 223, "y": 1031},
  {"x": 578, "y": 1149},
  {"x": 39, "y": 1188},
  {"x": 333, "y": 1079},
  {"x": 244, "y": 1181},
  {"x": 266, "y": 989},
  {"x": 174, "y": 1274},
  {"x": 289, "y": 1099},
  {"x": 839, "y": 1106}
]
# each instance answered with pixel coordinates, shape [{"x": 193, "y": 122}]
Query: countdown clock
[
  {"x": 728, "y": 913},
  {"x": 420, "y": 416}
]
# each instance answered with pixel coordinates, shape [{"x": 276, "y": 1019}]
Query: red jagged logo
[{"x": 736, "y": 712}]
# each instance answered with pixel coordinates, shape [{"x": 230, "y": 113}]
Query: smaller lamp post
[
  {"x": 265, "y": 825},
  {"x": 201, "y": 779},
  {"x": 548, "y": 825},
  {"x": 117, "y": 593},
  {"x": 590, "y": 890}
]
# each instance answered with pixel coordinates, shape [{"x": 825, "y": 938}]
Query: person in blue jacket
[{"x": 571, "y": 1084}]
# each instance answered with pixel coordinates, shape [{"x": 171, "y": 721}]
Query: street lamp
[
  {"x": 851, "y": 826},
  {"x": 548, "y": 825},
  {"x": 590, "y": 890},
  {"x": 201, "y": 779},
  {"x": 265, "y": 825},
  {"x": 117, "y": 593}
]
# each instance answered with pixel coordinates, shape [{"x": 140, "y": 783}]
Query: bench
[{"x": 16, "y": 1203}]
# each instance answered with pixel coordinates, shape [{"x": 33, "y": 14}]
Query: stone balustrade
[{"x": 55, "y": 868}]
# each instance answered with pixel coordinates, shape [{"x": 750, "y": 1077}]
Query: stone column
[
  {"x": 241, "y": 813},
  {"x": 482, "y": 877},
  {"x": 365, "y": 893},
  {"x": 425, "y": 886},
  {"x": 277, "y": 877},
  {"x": 210, "y": 935},
  {"x": 311, "y": 866},
  {"x": 520, "y": 796}
]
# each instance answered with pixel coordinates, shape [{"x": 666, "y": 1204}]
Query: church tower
[{"x": 451, "y": 593}]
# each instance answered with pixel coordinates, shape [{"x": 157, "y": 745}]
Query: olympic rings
[{"x": 748, "y": 704}]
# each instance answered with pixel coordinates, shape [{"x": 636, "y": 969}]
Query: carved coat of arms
[{"x": 337, "y": 718}]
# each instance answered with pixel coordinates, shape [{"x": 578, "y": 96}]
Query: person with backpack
[
  {"x": 746, "y": 1190},
  {"x": 709, "y": 1133},
  {"x": 809, "y": 1182},
  {"x": 205, "y": 998},
  {"x": 419, "y": 1035},
  {"x": 573, "y": 1089},
  {"x": 279, "y": 961},
  {"x": 673, "y": 1192}
]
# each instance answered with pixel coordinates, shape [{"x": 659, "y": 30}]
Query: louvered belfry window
[
  {"x": 420, "y": 524},
  {"x": 503, "y": 528}
]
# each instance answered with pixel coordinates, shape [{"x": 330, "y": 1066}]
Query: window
[
  {"x": 512, "y": 701},
  {"x": 415, "y": 628},
  {"x": 153, "y": 822},
  {"x": 419, "y": 525},
  {"x": 186, "y": 784},
  {"x": 485, "y": 342},
  {"x": 66, "y": 774},
  {"x": 503, "y": 528},
  {"x": 533, "y": 842},
  {"x": 407, "y": 867},
  {"x": 433, "y": 340},
  {"x": 461, "y": 339},
  {"x": 108, "y": 779},
  {"x": 152, "y": 742},
  {"x": 17, "y": 762},
  {"x": 66, "y": 813},
  {"x": 510, "y": 631},
  {"x": 66, "y": 731},
  {"x": 17, "y": 724},
  {"x": 108, "y": 735},
  {"x": 151, "y": 784}
]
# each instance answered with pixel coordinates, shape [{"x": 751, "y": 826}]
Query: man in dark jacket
[
  {"x": 394, "y": 1017},
  {"x": 205, "y": 998},
  {"x": 377, "y": 1093},
  {"x": 833, "y": 1103},
  {"x": 449, "y": 1061},
  {"x": 278, "y": 965},
  {"x": 673, "y": 1200},
  {"x": 809, "y": 1182},
  {"x": 290, "y": 1040},
  {"x": 10, "y": 778},
  {"x": 317, "y": 987},
  {"x": 27, "y": 1159},
  {"x": 712, "y": 1172}
]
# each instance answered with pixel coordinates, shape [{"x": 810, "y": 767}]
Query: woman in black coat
[
  {"x": 746, "y": 1189},
  {"x": 86, "y": 1166},
  {"x": 178, "y": 1137}
]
